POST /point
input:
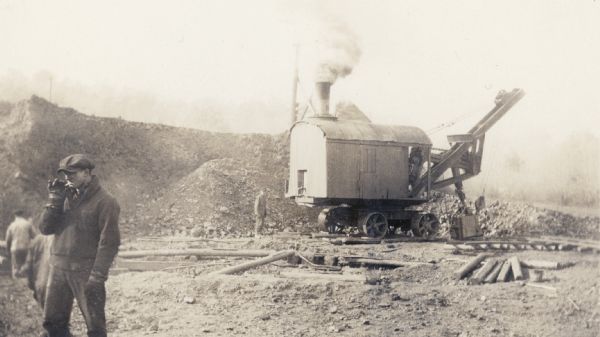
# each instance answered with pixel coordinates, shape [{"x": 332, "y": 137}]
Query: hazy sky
[{"x": 421, "y": 63}]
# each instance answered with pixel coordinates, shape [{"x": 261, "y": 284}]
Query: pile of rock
[
  {"x": 506, "y": 219},
  {"x": 217, "y": 200}
]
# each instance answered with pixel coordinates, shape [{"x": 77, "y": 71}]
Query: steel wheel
[
  {"x": 425, "y": 225},
  {"x": 375, "y": 225}
]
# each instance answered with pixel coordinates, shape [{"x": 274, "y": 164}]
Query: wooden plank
[
  {"x": 355, "y": 241},
  {"x": 140, "y": 265},
  {"x": 467, "y": 268},
  {"x": 515, "y": 266},
  {"x": 256, "y": 263},
  {"x": 485, "y": 242},
  {"x": 197, "y": 252},
  {"x": 493, "y": 275},
  {"x": 380, "y": 262},
  {"x": 330, "y": 277},
  {"x": 314, "y": 276},
  {"x": 505, "y": 273},
  {"x": 538, "y": 264},
  {"x": 483, "y": 272},
  {"x": 540, "y": 286},
  {"x": 409, "y": 239}
]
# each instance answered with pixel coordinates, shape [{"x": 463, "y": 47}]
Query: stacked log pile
[{"x": 496, "y": 269}]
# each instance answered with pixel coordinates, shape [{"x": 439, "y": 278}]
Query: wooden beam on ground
[
  {"x": 139, "y": 265},
  {"x": 474, "y": 242},
  {"x": 538, "y": 264},
  {"x": 256, "y": 263},
  {"x": 355, "y": 241},
  {"x": 379, "y": 262},
  {"x": 515, "y": 266},
  {"x": 467, "y": 268},
  {"x": 169, "y": 239},
  {"x": 196, "y": 252},
  {"x": 540, "y": 286},
  {"x": 330, "y": 277},
  {"x": 409, "y": 239},
  {"x": 483, "y": 272},
  {"x": 307, "y": 276},
  {"x": 504, "y": 274},
  {"x": 493, "y": 275}
]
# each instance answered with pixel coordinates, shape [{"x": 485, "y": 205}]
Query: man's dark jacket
[{"x": 87, "y": 235}]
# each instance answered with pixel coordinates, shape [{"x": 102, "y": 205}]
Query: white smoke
[{"x": 338, "y": 52}]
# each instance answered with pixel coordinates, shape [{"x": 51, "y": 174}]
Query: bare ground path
[{"x": 281, "y": 299}]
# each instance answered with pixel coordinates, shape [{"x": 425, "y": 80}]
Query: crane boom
[{"x": 465, "y": 154}]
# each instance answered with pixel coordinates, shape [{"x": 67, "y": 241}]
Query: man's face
[{"x": 78, "y": 177}]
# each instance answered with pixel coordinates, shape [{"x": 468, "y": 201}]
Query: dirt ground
[{"x": 421, "y": 299}]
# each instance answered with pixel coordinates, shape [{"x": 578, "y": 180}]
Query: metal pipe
[{"x": 323, "y": 91}]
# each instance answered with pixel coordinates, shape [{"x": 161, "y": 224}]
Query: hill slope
[{"x": 137, "y": 162}]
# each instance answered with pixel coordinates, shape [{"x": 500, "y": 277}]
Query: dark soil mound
[
  {"x": 136, "y": 162},
  {"x": 217, "y": 200}
]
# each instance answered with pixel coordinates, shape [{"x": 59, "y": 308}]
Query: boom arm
[{"x": 464, "y": 157}]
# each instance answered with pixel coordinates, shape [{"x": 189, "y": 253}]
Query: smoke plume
[{"x": 339, "y": 52}]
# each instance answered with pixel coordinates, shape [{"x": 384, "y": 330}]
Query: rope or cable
[{"x": 450, "y": 123}]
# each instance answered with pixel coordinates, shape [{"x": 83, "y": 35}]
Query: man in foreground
[{"x": 84, "y": 219}]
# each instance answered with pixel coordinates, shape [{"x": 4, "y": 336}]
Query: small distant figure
[
  {"x": 415, "y": 164},
  {"x": 260, "y": 211},
  {"x": 18, "y": 235},
  {"x": 479, "y": 204}
]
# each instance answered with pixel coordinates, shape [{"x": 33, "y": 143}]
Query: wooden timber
[
  {"x": 253, "y": 264},
  {"x": 493, "y": 275},
  {"x": 504, "y": 274},
  {"x": 483, "y": 272},
  {"x": 196, "y": 252},
  {"x": 467, "y": 268},
  {"x": 515, "y": 266}
]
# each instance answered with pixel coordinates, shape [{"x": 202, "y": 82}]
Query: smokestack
[
  {"x": 324, "y": 80},
  {"x": 323, "y": 90}
]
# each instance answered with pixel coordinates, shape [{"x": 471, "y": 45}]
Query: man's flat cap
[{"x": 75, "y": 162}]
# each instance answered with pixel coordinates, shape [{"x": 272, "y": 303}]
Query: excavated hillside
[
  {"x": 178, "y": 181},
  {"x": 137, "y": 162}
]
